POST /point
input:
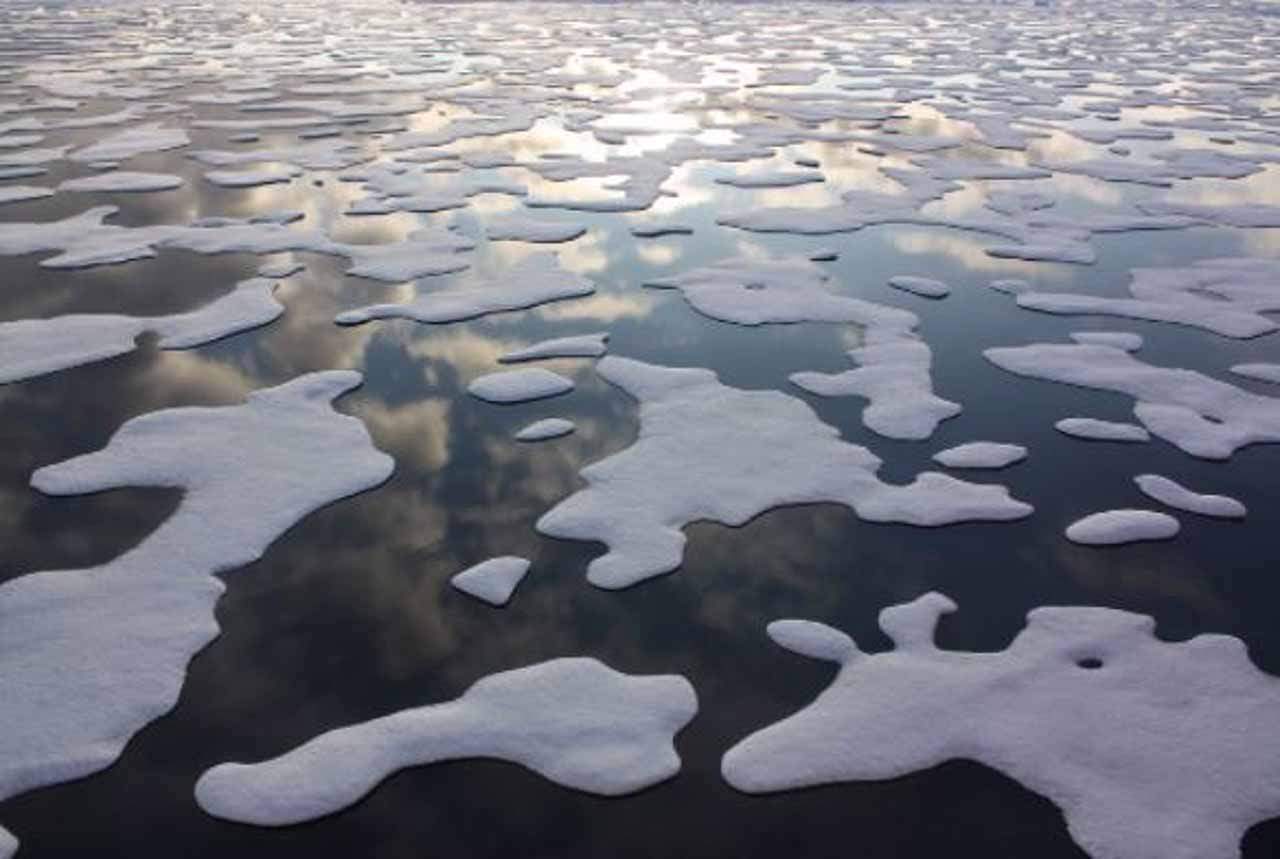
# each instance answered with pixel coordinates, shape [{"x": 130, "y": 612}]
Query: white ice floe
[
  {"x": 1258, "y": 372},
  {"x": 1176, "y": 495},
  {"x": 924, "y": 286},
  {"x": 749, "y": 291},
  {"x": 1098, "y": 430},
  {"x": 1226, "y": 296},
  {"x": 88, "y": 657},
  {"x": 519, "y": 386},
  {"x": 270, "y": 175},
  {"x": 22, "y": 193},
  {"x": 535, "y": 280},
  {"x": 280, "y": 270},
  {"x": 1125, "y": 340},
  {"x": 545, "y": 429},
  {"x": 771, "y": 178},
  {"x": 1116, "y": 527},
  {"x": 657, "y": 230},
  {"x": 575, "y": 721},
  {"x": 34, "y": 347},
  {"x": 577, "y": 346},
  {"x": 893, "y": 373},
  {"x": 981, "y": 454},
  {"x": 426, "y": 251},
  {"x": 1152, "y": 749},
  {"x": 1203, "y": 416},
  {"x": 494, "y": 580},
  {"x": 519, "y": 227},
  {"x": 707, "y": 451},
  {"x": 123, "y": 181},
  {"x": 141, "y": 139}
]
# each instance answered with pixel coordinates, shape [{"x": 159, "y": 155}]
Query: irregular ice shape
[
  {"x": 280, "y": 270},
  {"x": 1152, "y": 749},
  {"x": 893, "y": 373},
  {"x": 707, "y": 451},
  {"x": 34, "y": 347},
  {"x": 925, "y": 286},
  {"x": 771, "y": 178},
  {"x": 575, "y": 721},
  {"x": 547, "y": 428},
  {"x": 518, "y": 227},
  {"x": 270, "y": 175},
  {"x": 1125, "y": 340},
  {"x": 981, "y": 454},
  {"x": 747, "y": 291},
  {"x": 1096, "y": 430},
  {"x": 1115, "y": 527},
  {"x": 123, "y": 181},
  {"x": 1258, "y": 372},
  {"x": 494, "y": 580},
  {"x": 535, "y": 280},
  {"x": 1176, "y": 495},
  {"x": 21, "y": 193},
  {"x": 141, "y": 139},
  {"x": 1204, "y": 417},
  {"x": 577, "y": 346},
  {"x": 88, "y": 657},
  {"x": 8, "y": 844},
  {"x": 1226, "y": 296},
  {"x": 519, "y": 386},
  {"x": 427, "y": 251}
]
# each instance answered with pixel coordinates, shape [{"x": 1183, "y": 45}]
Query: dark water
[{"x": 349, "y": 615}]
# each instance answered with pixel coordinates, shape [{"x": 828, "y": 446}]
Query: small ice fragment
[
  {"x": 577, "y": 346},
  {"x": 545, "y": 429},
  {"x": 923, "y": 286},
  {"x": 1097, "y": 430},
  {"x": 1176, "y": 495},
  {"x": 1114, "y": 527},
  {"x": 981, "y": 454},
  {"x": 494, "y": 580},
  {"x": 1258, "y": 372},
  {"x": 519, "y": 386}
]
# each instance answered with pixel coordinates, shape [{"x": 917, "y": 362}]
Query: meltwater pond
[{"x": 823, "y": 401}]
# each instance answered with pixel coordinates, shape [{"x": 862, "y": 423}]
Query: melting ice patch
[
  {"x": 150, "y": 137},
  {"x": 981, "y": 454},
  {"x": 88, "y": 657},
  {"x": 576, "y": 346},
  {"x": 707, "y": 451},
  {"x": 123, "y": 181},
  {"x": 494, "y": 580},
  {"x": 927, "y": 287},
  {"x": 535, "y": 280},
  {"x": 1099, "y": 430},
  {"x": 1204, "y": 417},
  {"x": 519, "y": 386},
  {"x": 1115, "y": 527},
  {"x": 547, "y": 428},
  {"x": 33, "y": 347},
  {"x": 1152, "y": 749},
  {"x": 575, "y": 721},
  {"x": 1175, "y": 495}
]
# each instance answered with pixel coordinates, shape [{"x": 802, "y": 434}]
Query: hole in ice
[{"x": 1089, "y": 662}]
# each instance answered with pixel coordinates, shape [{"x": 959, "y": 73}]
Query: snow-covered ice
[
  {"x": 494, "y": 580},
  {"x": 1115, "y": 527},
  {"x": 519, "y": 386},
  {"x": 545, "y": 429},
  {"x": 1174, "y": 494},
  {"x": 576, "y": 346},
  {"x": 981, "y": 454}
]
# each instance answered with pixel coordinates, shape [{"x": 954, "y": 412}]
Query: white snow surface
[
  {"x": 1175, "y": 495},
  {"x": 90, "y": 656},
  {"x": 519, "y": 386},
  {"x": 1152, "y": 749},
  {"x": 575, "y": 721},
  {"x": 577, "y": 346},
  {"x": 707, "y": 451},
  {"x": 547, "y": 428},
  {"x": 123, "y": 181},
  {"x": 981, "y": 454},
  {"x": 927, "y": 287},
  {"x": 494, "y": 580},
  {"x": 1115, "y": 527}
]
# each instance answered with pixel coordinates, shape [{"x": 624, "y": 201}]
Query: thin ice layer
[
  {"x": 575, "y": 721},
  {"x": 1152, "y": 749},
  {"x": 707, "y": 451}
]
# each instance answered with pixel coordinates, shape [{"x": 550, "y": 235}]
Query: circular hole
[{"x": 1090, "y": 662}]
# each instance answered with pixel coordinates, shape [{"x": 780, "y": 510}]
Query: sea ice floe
[
  {"x": 893, "y": 373},
  {"x": 749, "y": 291},
  {"x": 576, "y": 346},
  {"x": 22, "y": 193},
  {"x": 575, "y": 721},
  {"x": 519, "y": 386},
  {"x": 34, "y": 347},
  {"x": 925, "y": 286},
  {"x": 1099, "y": 430},
  {"x": 1259, "y": 372},
  {"x": 88, "y": 657},
  {"x": 1176, "y": 495},
  {"x": 1227, "y": 296},
  {"x": 1203, "y": 416},
  {"x": 771, "y": 178},
  {"x": 123, "y": 181},
  {"x": 1116, "y": 527},
  {"x": 270, "y": 175},
  {"x": 657, "y": 230},
  {"x": 518, "y": 227},
  {"x": 1125, "y": 340},
  {"x": 545, "y": 429},
  {"x": 426, "y": 251},
  {"x": 707, "y": 451},
  {"x": 141, "y": 139},
  {"x": 535, "y": 280},
  {"x": 981, "y": 454},
  {"x": 1152, "y": 749},
  {"x": 494, "y": 580}
]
